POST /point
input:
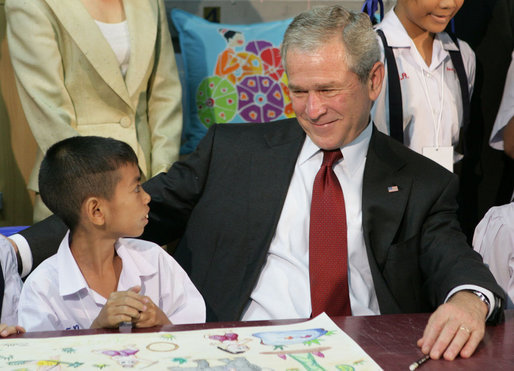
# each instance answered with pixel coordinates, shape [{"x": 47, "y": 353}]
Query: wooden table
[{"x": 389, "y": 339}]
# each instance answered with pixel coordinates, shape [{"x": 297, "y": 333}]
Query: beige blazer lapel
[
  {"x": 89, "y": 39},
  {"x": 142, "y": 23}
]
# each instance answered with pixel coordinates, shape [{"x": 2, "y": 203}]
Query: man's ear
[
  {"x": 375, "y": 80},
  {"x": 94, "y": 210}
]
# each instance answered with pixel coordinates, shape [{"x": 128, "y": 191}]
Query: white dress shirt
[
  {"x": 506, "y": 110},
  {"x": 56, "y": 295},
  {"x": 494, "y": 240},
  {"x": 427, "y": 91},
  {"x": 12, "y": 283},
  {"x": 283, "y": 288}
]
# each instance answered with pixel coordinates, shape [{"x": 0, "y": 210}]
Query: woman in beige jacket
[{"x": 93, "y": 67}]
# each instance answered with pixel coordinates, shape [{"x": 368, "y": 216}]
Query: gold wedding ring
[{"x": 465, "y": 329}]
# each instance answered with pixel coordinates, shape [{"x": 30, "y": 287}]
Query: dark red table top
[{"x": 389, "y": 339}]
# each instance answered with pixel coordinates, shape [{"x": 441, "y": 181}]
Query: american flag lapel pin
[{"x": 391, "y": 189}]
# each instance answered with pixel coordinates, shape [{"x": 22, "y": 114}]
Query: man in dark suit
[{"x": 240, "y": 204}]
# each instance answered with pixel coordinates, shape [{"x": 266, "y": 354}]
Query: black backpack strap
[
  {"x": 458, "y": 63},
  {"x": 395, "y": 92}
]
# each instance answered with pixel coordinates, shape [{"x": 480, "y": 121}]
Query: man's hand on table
[{"x": 456, "y": 327}]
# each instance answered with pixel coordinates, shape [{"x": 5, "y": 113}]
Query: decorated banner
[{"x": 232, "y": 74}]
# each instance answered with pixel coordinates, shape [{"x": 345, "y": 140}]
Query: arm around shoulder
[
  {"x": 43, "y": 239},
  {"x": 175, "y": 193}
]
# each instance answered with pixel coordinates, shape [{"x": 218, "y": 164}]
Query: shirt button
[{"x": 125, "y": 122}]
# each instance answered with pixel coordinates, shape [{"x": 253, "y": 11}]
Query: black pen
[{"x": 419, "y": 362}]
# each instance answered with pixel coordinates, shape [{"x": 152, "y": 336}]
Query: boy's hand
[
  {"x": 152, "y": 316},
  {"x": 6, "y": 330},
  {"x": 122, "y": 306}
]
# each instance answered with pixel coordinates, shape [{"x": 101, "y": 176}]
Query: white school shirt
[
  {"x": 283, "y": 288},
  {"x": 494, "y": 240},
  {"x": 12, "y": 283},
  {"x": 506, "y": 110},
  {"x": 418, "y": 83},
  {"x": 56, "y": 295}
]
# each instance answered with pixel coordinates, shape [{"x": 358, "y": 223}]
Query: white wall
[{"x": 252, "y": 11}]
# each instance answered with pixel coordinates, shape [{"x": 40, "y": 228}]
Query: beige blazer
[{"x": 70, "y": 83}]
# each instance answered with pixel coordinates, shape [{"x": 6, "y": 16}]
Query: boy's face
[
  {"x": 419, "y": 16},
  {"x": 126, "y": 213}
]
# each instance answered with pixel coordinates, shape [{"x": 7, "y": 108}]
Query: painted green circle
[{"x": 216, "y": 100}]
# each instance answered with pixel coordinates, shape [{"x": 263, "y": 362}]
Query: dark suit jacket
[{"x": 225, "y": 200}]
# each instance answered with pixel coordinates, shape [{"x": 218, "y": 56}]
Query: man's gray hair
[{"x": 311, "y": 29}]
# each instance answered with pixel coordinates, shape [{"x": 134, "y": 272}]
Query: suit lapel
[
  {"x": 142, "y": 23},
  {"x": 385, "y": 194},
  {"x": 89, "y": 39},
  {"x": 276, "y": 162}
]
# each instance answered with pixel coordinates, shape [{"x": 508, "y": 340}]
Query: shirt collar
[
  {"x": 394, "y": 31},
  {"x": 353, "y": 153},
  {"x": 134, "y": 266},
  {"x": 397, "y": 37},
  {"x": 72, "y": 281}
]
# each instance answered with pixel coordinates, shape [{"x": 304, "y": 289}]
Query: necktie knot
[{"x": 330, "y": 157}]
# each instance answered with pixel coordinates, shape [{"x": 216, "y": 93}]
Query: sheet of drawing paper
[{"x": 317, "y": 344}]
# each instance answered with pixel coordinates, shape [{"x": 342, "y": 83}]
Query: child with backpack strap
[{"x": 427, "y": 104}]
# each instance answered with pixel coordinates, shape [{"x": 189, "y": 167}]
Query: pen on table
[{"x": 419, "y": 362}]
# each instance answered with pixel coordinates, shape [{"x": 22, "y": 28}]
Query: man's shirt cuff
[
  {"x": 25, "y": 253},
  {"x": 487, "y": 293}
]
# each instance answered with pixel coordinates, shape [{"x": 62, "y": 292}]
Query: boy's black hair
[{"x": 80, "y": 167}]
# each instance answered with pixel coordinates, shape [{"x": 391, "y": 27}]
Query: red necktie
[{"x": 328, "y": 256}]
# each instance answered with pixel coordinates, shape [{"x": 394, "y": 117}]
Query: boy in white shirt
[
  {"x": 502, "y": 134},
  {"x": 99, "y": 278},
  {"x": 10, "y": 288},
  {"x": 431, "y": 92},
  {"x": 494, "y": 240}
]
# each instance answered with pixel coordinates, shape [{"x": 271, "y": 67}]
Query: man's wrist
[
  {"x": 484, "y": 299},
  {"x": 494, "y": 300}
]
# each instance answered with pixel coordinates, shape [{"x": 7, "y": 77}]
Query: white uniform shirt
[
  {"x": 494, "y": 240},
  {"x": 506, "y": 110},
  {"x": 12, "y": 283},
  {"x": 283, "y": 288},
  {"x": 427, "y": 91},
  {"x": 56, "y": 295}
]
